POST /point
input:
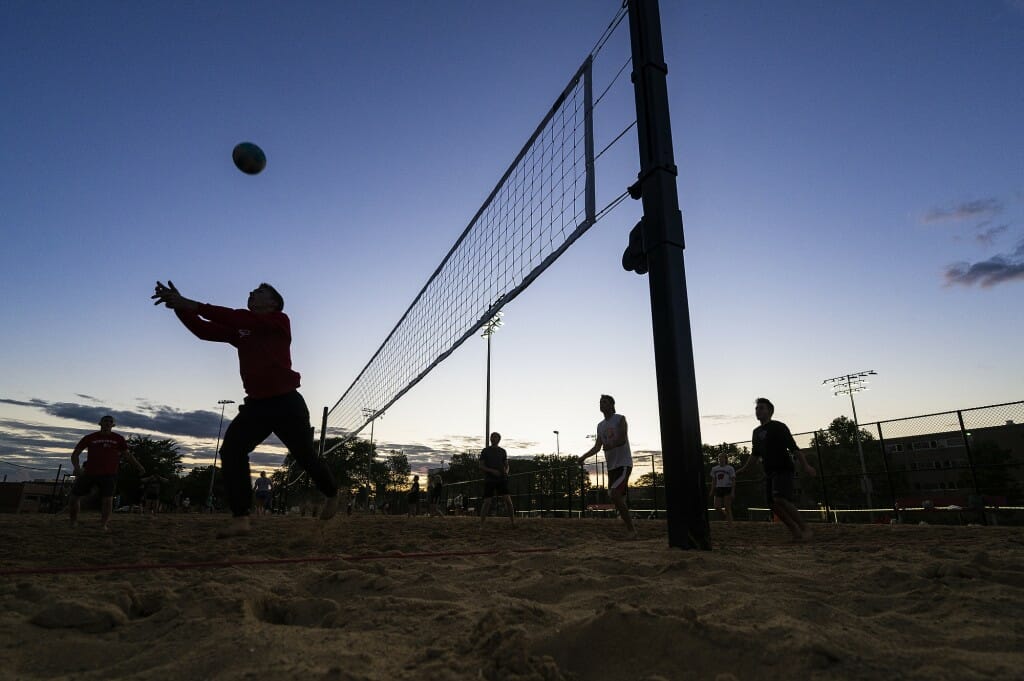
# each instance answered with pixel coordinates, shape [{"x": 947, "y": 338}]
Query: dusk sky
[{"x": 851, "y": 177}]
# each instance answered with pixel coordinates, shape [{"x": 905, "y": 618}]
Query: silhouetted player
[
  {"x": 772, "y": 444},
  {"x": 105, "y": 449},
  {"x": 494, "y": 464},
  {"x": 613, "y": 437},
  {"x": 262, "y": 334}
]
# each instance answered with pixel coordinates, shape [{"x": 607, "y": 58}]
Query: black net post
[{"x": 662, "y": 226}]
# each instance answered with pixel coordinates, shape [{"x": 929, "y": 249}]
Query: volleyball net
[{"x": 544, "y": 202}]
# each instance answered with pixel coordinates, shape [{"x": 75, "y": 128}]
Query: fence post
[
  {"x": 888, "y": 475},
  {"x": 821, "y": 469},
  {"x": 583, "y": 490},
  {"x": 970, "y": 462},
  {"x": 654, "y": 486}
]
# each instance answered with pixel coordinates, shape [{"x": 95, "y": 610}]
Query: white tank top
[{"x": 608, "y": 431}]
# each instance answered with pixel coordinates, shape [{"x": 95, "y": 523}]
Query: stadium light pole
[
  {"x": 489, "y": 328},
  {"x": 848, "y": 385},
  {"x": 213, "y": 471},
  {"x": 558, "y": 449},
  {"x": 370, "y": 413}
]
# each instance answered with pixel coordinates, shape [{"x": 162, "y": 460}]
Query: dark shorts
[
  {"x": 153, "y": 496},
  {"x": 778, "y": 484},
  {"x": 723, "y": 492},
  {"x": 85, "y": 482},
  {"x": 495, "y": 487},
  {"x": 618, "y": 478},
  {"x": 263, "y": 496}
]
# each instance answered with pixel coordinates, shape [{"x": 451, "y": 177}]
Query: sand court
[{"x": 373, "y": 597}]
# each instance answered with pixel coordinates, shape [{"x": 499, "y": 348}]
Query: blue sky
[{"x": 851, "y": 180}]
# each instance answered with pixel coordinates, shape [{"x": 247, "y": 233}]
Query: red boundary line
[{"x": 266, "y": 561}]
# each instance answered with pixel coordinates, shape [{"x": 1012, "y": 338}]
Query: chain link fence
[{"x": 959, "y": 466}]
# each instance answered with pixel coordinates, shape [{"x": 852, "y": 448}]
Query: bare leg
[
  {"x": 619, "y": 499},
  {"x": 789, "y": 514},
  {"x": 485, "y": 509},
  {"x": 106, "y": 508},
  {"x": 74, "y": 503},
  {"x": 331, "y": 507},
  {"x": 511, "y": 509},
  {"x": 727, "y": 507}
]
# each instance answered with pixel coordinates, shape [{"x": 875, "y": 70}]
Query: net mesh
[{"x": 542, "y": 204}]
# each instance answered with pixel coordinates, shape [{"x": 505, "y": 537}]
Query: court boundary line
[{"x": 128, "y": 567}]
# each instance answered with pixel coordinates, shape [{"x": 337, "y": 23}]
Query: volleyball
[{"x": 249, "y": 158}]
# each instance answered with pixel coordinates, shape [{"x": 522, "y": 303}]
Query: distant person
[
  {"x": 186, "y": 504},
  {"x": 414, "y": 496},
  {"x": 263, "y": 493},
  {"x": 151, "y": 493},
  {"x": 105, "y": 449},
  {"x": 773, "y": 445},
  {"x": 262, "y": 335},
  {"x": 494, "y": 464},
  {"x": 435, "y": 489},
  {"x": 613, "y": 437},
  {"x": 723, "y": 482}
]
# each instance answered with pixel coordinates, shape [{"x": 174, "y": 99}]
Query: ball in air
[{"x": 249, "y": 158}]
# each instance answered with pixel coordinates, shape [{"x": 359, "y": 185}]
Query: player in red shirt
[
  {"x": 105, "y": 449},
  {"x": 262, "y": 335}
]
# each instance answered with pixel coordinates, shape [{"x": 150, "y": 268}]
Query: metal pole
[
  {"x": 865, "y": 482},
  {"x": 970, "y": 462},
  {"x": 53, "y": 494},
  {"x": 489, "y": 328},
  {"x": 654, "y": 485},
  {"x": 487, "y": 409},
  {"x": 558, "y": 448},
  {"x": 213, "y": 472},
  {"x": 885, "y": 464},
  {"x": 323, "y": 432},
  {"x": 821, "y": 473},
  {"x": 662, "y": 228}
]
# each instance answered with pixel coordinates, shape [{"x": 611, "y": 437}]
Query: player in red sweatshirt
[{"x": 262, "y": 335}]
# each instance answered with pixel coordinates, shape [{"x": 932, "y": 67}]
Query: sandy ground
[{"x": 860, "y": 602}]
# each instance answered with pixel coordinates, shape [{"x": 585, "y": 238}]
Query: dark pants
[{"x": 287, "y": 417}]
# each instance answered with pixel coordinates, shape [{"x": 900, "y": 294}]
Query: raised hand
[{"x": 167, "y": 294}]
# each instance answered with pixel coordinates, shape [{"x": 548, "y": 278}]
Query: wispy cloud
[
  {"x": 988, "y": 236},
  {"x": 968, "y": 210},
  {"x": 998, "y": 269},
  {"x": 725, "y": 418}
]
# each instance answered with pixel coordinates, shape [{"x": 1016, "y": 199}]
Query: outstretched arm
[
  {"x": 135, "y": 462},
  {"x": 748, "y": 464},
  {"x": 187, "y": 311},
  {"x": 593, "y": 450}
]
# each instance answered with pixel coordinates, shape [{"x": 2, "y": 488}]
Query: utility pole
[{"x": 848, "y": 385}]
